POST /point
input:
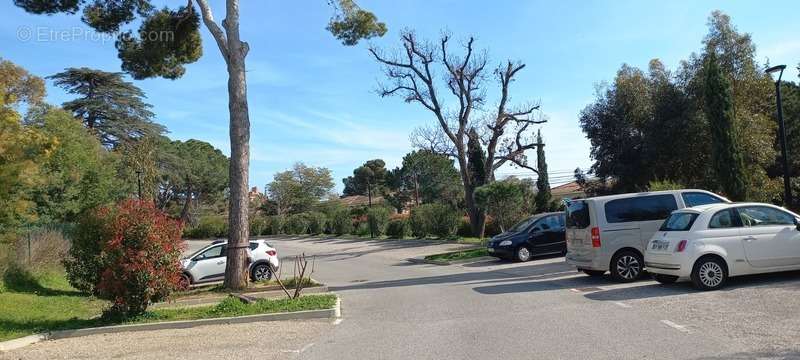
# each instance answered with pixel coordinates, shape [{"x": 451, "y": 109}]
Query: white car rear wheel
[{"x": 709, "y": 273}]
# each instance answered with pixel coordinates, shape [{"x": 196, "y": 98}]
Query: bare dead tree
[
  {"x": 413, "y": 74},
  {"x": 301, "y": 279}
]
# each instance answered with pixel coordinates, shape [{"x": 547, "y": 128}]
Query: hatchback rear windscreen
[
  {"x": 640, "y": 208},
  {"x": 679, "y": 222},
  {"x": 577, "y": 214}
]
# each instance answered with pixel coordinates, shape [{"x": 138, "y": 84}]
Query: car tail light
[
  {"x": 681, "y": 246},
  {"x": 595, "y": 237},
  {"x": 271, "y": 252}
]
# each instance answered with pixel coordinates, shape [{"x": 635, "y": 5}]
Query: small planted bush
[
  {"x": 128, "y": 254},
  {"x": 398, "y": 229},
  {"x": 341, "y": 223},
  {"x": 377, "y": 219},
  {"x": 296, "y": 224}
]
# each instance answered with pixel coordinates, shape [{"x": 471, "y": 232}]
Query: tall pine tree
[
  {"x": 543, "y": 195},
  {"x": 726, "y": 155}
]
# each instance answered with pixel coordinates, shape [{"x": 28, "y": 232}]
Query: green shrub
[
  {"x": 296, "y": 224},
  {"x": 491, "y": 228},
  {"x": 275, "y": 225},
  {"x": 417, "y": 223},
  {"x": 361, "y": 229},
  {"x": 128, "y": 254},
  {"x": 377, "y": 219},
  {"x": 398, "y": 229},
  {"x": 341, "y": 223},
  {"x": 317, "y": 222},
  {"x": 208, "y": 227},
  {"x": 464, "y": 227},
  {"x": 441, "y": 220},
  {"x": 258, "y": 225}
]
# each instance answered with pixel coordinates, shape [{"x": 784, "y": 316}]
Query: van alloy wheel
[{"x": 626, "y": 266}]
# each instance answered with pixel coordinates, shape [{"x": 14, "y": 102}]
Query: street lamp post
[{"x": 787, "y": 190}]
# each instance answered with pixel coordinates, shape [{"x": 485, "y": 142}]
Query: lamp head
[{"x": 776, "y": 68}]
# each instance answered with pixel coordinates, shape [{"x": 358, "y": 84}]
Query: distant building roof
[
  {"x": 570, "y": 189},
  {"x": 360, "y": 200}
]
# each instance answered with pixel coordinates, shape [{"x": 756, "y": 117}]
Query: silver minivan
[{"x": 610, "y": 233}]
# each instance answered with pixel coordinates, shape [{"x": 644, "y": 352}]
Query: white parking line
[
  {"x": 304, "y": 348},
  {"x": 675, "y": 326},
  {"x": 622, "y": 304},
  {"x": 337, "y": 321}
]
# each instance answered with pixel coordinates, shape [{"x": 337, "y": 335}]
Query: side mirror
[{"x": 797, "y": 224}]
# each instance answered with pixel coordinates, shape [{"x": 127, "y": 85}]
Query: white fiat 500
[{"x": 708, "y": 244}]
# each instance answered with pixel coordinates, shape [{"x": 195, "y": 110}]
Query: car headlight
[{"x": 505, "y": 243}]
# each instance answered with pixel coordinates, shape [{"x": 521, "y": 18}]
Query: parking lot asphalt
[{"x": 542, "y": 309}]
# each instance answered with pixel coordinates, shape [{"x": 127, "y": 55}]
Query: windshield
[
  {"x": 522, "y": 225},
  {"x": 679, "y": 222}
]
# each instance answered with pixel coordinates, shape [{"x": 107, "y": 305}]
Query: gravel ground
[{"x": 268, "y": 340}]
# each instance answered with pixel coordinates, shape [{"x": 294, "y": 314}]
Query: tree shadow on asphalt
[
  {"x": 541, "y": 271},
  {"x": 782, "y": 354},
  {"x": 499, "y": 261},
  {"x": 785, "y": 280},
  {"x": 374, "y": 246}
]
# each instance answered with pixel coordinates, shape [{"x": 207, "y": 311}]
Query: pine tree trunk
[
  {"x": 238, "y": 225},
  {"x": 187, "y": 205}
]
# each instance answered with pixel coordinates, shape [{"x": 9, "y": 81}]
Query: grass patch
[
  {"x": 36, "y": 302},
  {"x": 39, "y": 302},
  {"x": 234, "y": 307},
  {"x": 254, "y": 287},
  {"x": 459, "y": 255}
]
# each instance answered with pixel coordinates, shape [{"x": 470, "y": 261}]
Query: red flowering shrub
[{"x": 128, "y": 254}]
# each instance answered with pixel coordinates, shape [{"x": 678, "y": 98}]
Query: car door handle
[
  {"x": 220, "y": 262},
  {"x": 749, "y": 238}
]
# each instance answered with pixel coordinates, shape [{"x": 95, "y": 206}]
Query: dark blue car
[{"x": 540, "y": 234}]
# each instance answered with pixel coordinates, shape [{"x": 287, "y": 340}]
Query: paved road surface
[{"x": 485, "y": 310}]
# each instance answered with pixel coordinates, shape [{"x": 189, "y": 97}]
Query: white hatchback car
[
  {"x": 708, "y": 244},
  {"x": 208, "y": 263}
]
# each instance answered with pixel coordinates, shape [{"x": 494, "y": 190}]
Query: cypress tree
[
  {"x": 476, "y": 159},
  {"x": 726, "y": 155},
  {"x": 543, "y": 195}
]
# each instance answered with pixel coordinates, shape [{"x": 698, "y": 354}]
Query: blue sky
[{"x": 313, "y": 100}]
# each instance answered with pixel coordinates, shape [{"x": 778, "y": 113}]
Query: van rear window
[
  {"x": 577, "y": 215},
  {"x": 640, "y": 208}
]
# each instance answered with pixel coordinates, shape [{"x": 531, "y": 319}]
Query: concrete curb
[
  {"x": 21, "y": 342},
  {"x": 331, "y": 313}
]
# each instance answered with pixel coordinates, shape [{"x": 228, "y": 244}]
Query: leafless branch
[{"x": 216, "y": 31}]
